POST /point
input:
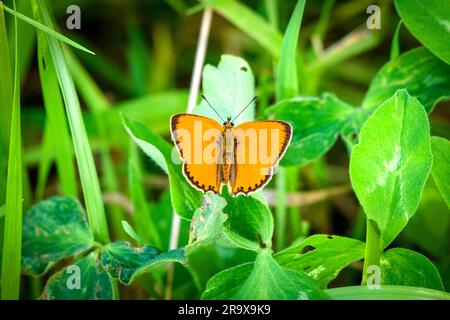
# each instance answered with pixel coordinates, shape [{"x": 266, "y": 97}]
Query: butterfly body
[{"x": 240, "y": 157}]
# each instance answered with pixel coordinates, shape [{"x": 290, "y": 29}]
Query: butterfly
[{"x": 241, "y": 157}]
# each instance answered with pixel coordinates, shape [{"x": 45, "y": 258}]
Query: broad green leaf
[
  {"x": 229, "y": 87},
  {"x": 287, "y": 81},
  {"x": 250, "y": 23},
  {"x": 316, "y": 123},
  {"x": 419, "y": 71},
  {"x": 403, "y": 267},
  {"x": 207, "y": 221},
  {"x": 441, "y": 166},
  {"x": 84, "y": 280},
  {"x": 321, "y": 256},
  {"x": 263, "y": 280},
  {"x": 429, "y": 22},
  {"x": 125, "y": 262},
  {"x": 185, "y": 199},
  {"x": 386, "y": 293},
  {"x": 52, "y": 230},
  {"x": 249, "y": 223},
  {"x": 12, "y": 234},
  {"x": 390, "y": 164}
]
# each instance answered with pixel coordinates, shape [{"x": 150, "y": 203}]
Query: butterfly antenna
[
  {"x": 254, "y": 98},
  {"x": 212, "y": 107}
]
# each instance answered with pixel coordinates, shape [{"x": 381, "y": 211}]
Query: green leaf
[
  {"x": 130, "y": 231},
  {"x": 250, "y": 23},
  {"x": 185, "y": 198},
  {"x": 249, "y": 223},
  {"x": 12, "y": 236},
  {"x": 395, "y": 45},
  {"x": 94, "y": 283},
  {"x": 207, "y": 221},
  {"x": 403, "y": 267},
  {"x": 47, "y": 30},
  {"x": 85, "y": 160},
  {"x": 263, "y": 280},
  {"x": 388, "y": 177},
  {"x": 386, "y": 293},
  {"x": 429, "y": 22},
  {"x": 316, "y": 123},
  {"x": 287, "y": 82},
  {"x": 126, "y": 262},
  {"x": 419, "y": 71},
  {"x": 229, "y": 87},
  {"x": 52, "y": 230},
  {"x": 441, "y": 166},
  {"x": 321, "y": 256}
]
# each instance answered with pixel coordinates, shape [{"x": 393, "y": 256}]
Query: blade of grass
[
  {"x": 12, "y": 243},
  {"x": 395, "y": 46},
  {"x": 6, "y": 90},
  {"x": 58, "y": 131},
  {"x": 83, "y": 153},
  {"x": 47, "y": 30},
  {"x": 287, "y": 87}
]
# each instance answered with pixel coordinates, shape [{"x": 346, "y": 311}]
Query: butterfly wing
[
  {"x": 198, "y": 141},
  {"x": 259, "y": 147}
]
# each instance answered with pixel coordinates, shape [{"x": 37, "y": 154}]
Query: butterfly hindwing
[
  {"x": 259, "y": 147},
  {"x": 198, "y": 139}
]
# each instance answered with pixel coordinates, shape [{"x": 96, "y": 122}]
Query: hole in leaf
[{"x": 307, "y": 249}]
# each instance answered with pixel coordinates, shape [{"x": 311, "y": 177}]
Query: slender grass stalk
[
  {"x": 395, "y": 46},
  {"x": 12, "y": 243},
  {"x": 373, "y": 248},
  {"x": 86, "y": 166},
  {"x": 193, "y": 96},
  {"x": 287, "y": 86},
  {"x": 56, "y": 135},
  {"x": 6, "y": 91}
]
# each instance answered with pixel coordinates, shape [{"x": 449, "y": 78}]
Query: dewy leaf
[
  {"x": 316, "y": 122},
  {"x": 322, "y": 256},
  {"x": 229, "y": 87},
  {"x": 391, "y": 162},
  {"x": 126, "y": 262},
  {"x": 249, "y": 223},
  {"x": 85, "y": 280},
  {"x": 419, "y": 71},
  {"x": 52, "y": 230},
  {"x": 207, "y": 221},
  {"x": 403, "y": 267},
  {"x": 263, "y": 280},
  {"x": 441, "y": 166},
  {"x": 428, "y": 21},
  {"x": 185, "y": 198}
]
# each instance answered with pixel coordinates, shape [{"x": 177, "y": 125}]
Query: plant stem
[
  {"x": 281, "y": 207},
  {"x": 373, "y": 248},
  {"x": 193, "y": 95}
]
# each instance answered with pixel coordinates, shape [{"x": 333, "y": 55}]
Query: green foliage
[
  {"x": 322, "y": 257},
  {"x": 53, "y": 229},
  {"x": 94, "y": 283},
  {"x": 419, "y": 71},
  {"x": 386, "y": 293},
  {"x": 388, "y": 178},
  {"x": 405, "y": 267},
  {"x": 316, "y": 122},
  {"x": 265, "y": 279},
  {"x": 125, "y": 262},
  {"x": 428, "y": 22},
  {"x": 441, "y": 166}
]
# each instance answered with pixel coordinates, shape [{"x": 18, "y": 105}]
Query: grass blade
[
  {"x": 12, "y": 245},
  {"x": 83, "y": 153},
  {"x": 47, "y": 30}
]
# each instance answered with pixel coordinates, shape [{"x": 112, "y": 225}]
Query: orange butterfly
[{"x": 241, "y": 157}]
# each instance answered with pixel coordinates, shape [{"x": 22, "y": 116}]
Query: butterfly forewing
[
  {"x": 198, "y": 141},
  {"x": 259, "y": 147}
]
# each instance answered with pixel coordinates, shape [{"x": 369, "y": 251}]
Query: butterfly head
[{"x": 228, "y": 123}]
